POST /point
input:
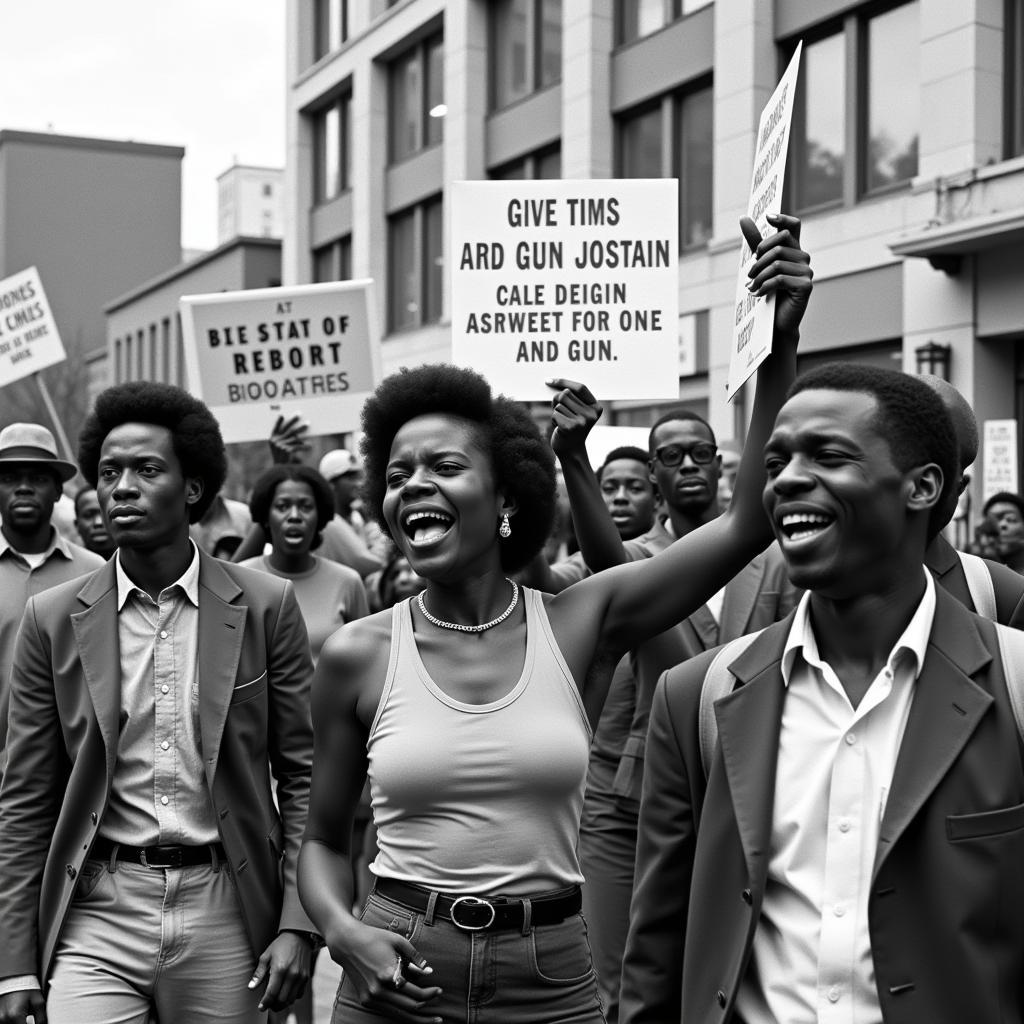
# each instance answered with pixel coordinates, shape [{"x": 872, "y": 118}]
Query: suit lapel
[
  {"x": 740, "y": 597},
  {"x": 704, "y": 628},
  {"x": 748, "y": 735},
  {"x": 221, "y": 630},
  {"x": 946, "y": 709},
  {"x": 99, "y": 653}
]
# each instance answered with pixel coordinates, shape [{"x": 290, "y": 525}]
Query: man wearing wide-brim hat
[{"x": 33, "y": 555}]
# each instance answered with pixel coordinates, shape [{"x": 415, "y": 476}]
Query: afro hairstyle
[
  {"x": 523, "y": 464},
  {"x": 911, "y": 417},
  {"x": 265, "y": 488},
  {"x": 195, "y": 433}
]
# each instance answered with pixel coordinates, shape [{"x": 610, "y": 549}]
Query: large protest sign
[
  {"x": 29, "y": 340},
  {"x": 309, "y": 350},
  {"x": 576, "y": 279},
  {"x": 755, "y": 317},
  {"x": 999, "y": 457}
]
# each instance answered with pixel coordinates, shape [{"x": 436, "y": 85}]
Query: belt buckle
[
  {"x": 472, "y": 904},
  {"x": 166, "y": 857}
]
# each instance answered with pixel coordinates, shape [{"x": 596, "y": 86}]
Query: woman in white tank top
[{"x": 469, "y": 707}]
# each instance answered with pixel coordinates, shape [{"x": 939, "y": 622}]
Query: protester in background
[
  {"x": 729, "y": 455},
  {"x": 33, "y": 555},
  {"x": 90, "y": 525},
  {"x": 293, "y": 504},
  {"x": 348, "y": 538},
  {"x": 866, "y": 757},
  {"x": 398, "y": 580},
  {"x": 1006, "y": 510},
  {"x": 143, "y": 863},
  {"x": 986, "y": 540},
  {"x": 471, "y": 711},
  {"x": 222, "y": 528}
]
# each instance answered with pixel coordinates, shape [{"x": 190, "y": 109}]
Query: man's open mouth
[{"x": 802, "y": 525}]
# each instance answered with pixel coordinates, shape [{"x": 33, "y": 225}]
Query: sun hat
[{"x": 31, "y": 444}]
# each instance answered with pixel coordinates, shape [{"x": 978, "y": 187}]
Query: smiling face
[
  {"x": 629, "y": 496},
  {"x": 441, "y": 503},
  {"x": 291, "y": 520},
  {"x": 838, "y": 504},
  {"x": 689, "y": 488},
  {"x": 142, "y": 490},
  {"x": 28, "y": 493}
]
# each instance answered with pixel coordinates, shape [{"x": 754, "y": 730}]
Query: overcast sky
[{"x": 204, "y": 74}]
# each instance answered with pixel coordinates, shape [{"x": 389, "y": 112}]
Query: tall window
[
  {"x": 330, "y": 27},
  {"x": 332, "y": 149},
  {"x": 415, "y": 265},
  {"x": 526, "y": 48},
  {"x": 635, "y": 19},
  {"x": 416, "y": 87},
  {"x": 1013, "y": 133},
  {"x": 674, "y": 138},
  {"x": 878, "y": 111},
  {"x": 544, "y": 164},
  {"x": 333, "y": 262}
]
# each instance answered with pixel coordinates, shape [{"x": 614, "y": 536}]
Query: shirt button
[
  {"x": 850, "y": 739},
  {"x": 839, "y": 910},
  {"x": 165, "y": 745},
  {"x": 165, "y": 688},
  {"x": 163, "y": 634},
  {"x": 844, "y": 826},
  {"x": 833, "y": 994},
  {"x": 164, "y": 801}
]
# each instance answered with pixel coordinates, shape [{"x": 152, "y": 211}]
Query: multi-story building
[
  {"x": 95, "y": 216},
  {"x": 250, "y": 201},
  {"x": 906, "y": 161}
]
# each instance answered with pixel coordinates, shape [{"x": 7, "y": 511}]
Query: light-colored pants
[{"x": 138, "y": 938}]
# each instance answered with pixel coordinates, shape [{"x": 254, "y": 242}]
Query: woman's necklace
[{"x": 471, "y": 629}]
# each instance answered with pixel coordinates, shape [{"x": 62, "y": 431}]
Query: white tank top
[{"x": 479, "y": 798}]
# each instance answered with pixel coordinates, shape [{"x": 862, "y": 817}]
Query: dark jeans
[{"x": 501, "y": 977}]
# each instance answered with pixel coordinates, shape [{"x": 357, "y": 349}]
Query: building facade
[
  {"x": 250, "y": 201},
  {"x": 95, "y": 216},
  {"x": 906, "y": 161}
]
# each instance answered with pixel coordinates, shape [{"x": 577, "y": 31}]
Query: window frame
[
  {"x": 342, "y": 106},
  {"x": 429, "y": 290},
  {"x": 322, "y": 10},
  {"x": 1013, "y": 79},
  {"x": 534, "y": 54},
  {"x": 419, "y": 55}
]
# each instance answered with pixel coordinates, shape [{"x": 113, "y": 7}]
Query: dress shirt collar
[
  {"x": 913, "y": 641},
  {"x": 188, "y": 581},
  {"x": 58, "y": 545}
]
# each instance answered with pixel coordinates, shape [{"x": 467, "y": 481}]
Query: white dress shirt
[{"x": 811, "y": 960}]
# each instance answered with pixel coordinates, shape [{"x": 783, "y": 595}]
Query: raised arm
[{"x": 632, "y": 602}]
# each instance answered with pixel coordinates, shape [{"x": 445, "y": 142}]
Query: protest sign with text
[
  {"x": 29, "y": 340},
  {"x": 999, "y": 457},
  {"x": 755, "y": 317},
  {"x": 310, "y": 350},
  {"x": 576, "y": 279}
]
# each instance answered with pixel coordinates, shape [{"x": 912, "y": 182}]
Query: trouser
[
  {"x": 169, "y": 939},
  {"x": 490, "y": 977}
]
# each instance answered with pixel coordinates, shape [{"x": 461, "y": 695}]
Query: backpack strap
[
  {"x": 1011, "y": 651},
  {"x": 979, "y": 583},
  {"x": 718, "y": 682}
]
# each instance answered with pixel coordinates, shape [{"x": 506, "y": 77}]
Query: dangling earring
[{"x": 504, "y": 531}]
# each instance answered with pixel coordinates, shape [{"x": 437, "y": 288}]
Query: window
[
  {"x": 1013, "y": 134},
  {"x": 674, "y": 139},
  {"x": 544, "y": 164},
  {"x": 416, "y": 86},
  {"x": 331, "y": 27},
  {"x": 877, "y": 110},
  {"x": 415, "y": 265},
  {"x": 332, "y": 149},
  {"x": 268, "y": 190},
  {"x": 638, "y": 18},
  {"x": 526, "y": 48},
  {"x": 333, "y": 262}
]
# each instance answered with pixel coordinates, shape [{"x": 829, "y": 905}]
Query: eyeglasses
[{"x": 701, "y": 454}]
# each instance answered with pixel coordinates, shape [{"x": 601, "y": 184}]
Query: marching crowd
[{"x": 750, "y": 752}]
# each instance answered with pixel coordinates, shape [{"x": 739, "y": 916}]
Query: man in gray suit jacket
[
  {"x": 855, "y": 850},
  {"x": 144, "y": 864}
]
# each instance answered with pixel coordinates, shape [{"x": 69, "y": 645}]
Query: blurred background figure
[
  {"x": 1006, "y": 511},
  {"x": 986, "y": 540},
  {"x": 89, "y": 523},
  {"x": 222, "y": 527},
  {"x": 730, "y": 452},
  {"x": 348, "y": 538}
]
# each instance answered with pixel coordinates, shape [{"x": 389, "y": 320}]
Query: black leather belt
[
  {"x": 159, "y": 857},
  {"x": 477, "y": 914}
]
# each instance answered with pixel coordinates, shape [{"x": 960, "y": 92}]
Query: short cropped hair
[
  {"x": 195, "y": 433},
  {"x": 911, "y": 417},
  {"x": 522, "y": 462},
  {"x": 678, "y": 415},
  {"x": 79, "y": 494},
  {"x": 265, "y": 488},
  {"x": 626, "y": 451},
  {"x": 1005, "y": 498}
]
